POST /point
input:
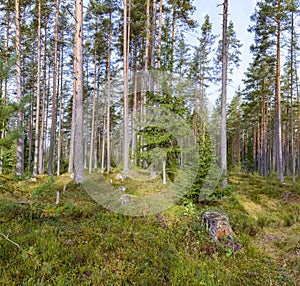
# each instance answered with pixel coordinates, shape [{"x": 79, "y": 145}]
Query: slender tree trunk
[
  {"x": 134, "y": 107},
  {"x": 71, "y": 155},
  {"x": 254, "y": 148},
  {"x": 61, "y": 112},
  {"x": 85, "y": 113},
  {"x": 277, "y": 100},
  {"x": 159, "y": 34},
  {"x": 293, "y": 159},
  {"x": 147, "y": 48},
  {"x": 174, "y": 7},
  {"x": 103, "y": 141},
  {"x": 30, "y": 132},
  {"x": 42, "y": 132},
  {"x": 20, "y": 142},
  {"x": 259, "y": 148},
  {"x": 126, "y": 103},
  {"x": 264, "y": 136},
  {"x": 94, "y": 104},
  {"x": 108, "y": 95},
  {"x": 298, "y": 118},
  {"x": 153, "y": 27},
  {"x": 95, "y": 153},
  {"x": 3, "y": 133},
  {"x": 38, "y": 96},
  {"x": 223, "y": 97},
  {"x": 78, "y": 77},
  {"x": 54, "y": 97}
]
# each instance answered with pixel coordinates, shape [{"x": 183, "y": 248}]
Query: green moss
[{"x": 79, "y": 243}]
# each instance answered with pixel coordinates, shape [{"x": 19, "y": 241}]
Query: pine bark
[
  {"x": 126, "y": 101},
  {"x": 159, "y": 35},
  {"x": 38, "y": 96},
  {"x": 224, "y": 96},
  {"x": 92, "y": 146},
  {"x": 54, "y": 97},
  {"x": 61, "y": 112},
  {"x": 108, "y": 96},
  {"x": 279, "y": 162},
  {"x": 293, "y": 159},
  {"x": 20, "y": 120},
  {"x": 43, "y": 105},
  {"x": 78, "y": 77}
]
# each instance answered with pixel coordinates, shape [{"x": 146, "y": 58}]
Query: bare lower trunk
[
  {"x": 38, "y": 96},
  {"x": 223, "y": 97},
  {"x": 92, "y": 144},
  {"x": 78, "y": 73},
  {"x": 126, "y": 103},
  {"x": 61, "y": 112},
  {"x": 54, "y": 97},
  {"x": 277, "y": 101},
  {"x": 30, "y": 135},
  {"x": 42, "y": 132},
  {"x": 20, "y": 117},
  {"x": 108, "y": 98}
]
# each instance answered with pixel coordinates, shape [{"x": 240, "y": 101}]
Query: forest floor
[{"x": 78, "y": 242}]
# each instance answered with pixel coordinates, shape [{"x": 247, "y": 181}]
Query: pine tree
[{"x": 78, "y": 94}]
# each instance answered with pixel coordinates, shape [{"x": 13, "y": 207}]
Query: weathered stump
[{"x": 217, "y": 223}]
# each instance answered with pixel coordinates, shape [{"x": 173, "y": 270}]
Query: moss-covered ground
[{"x": 77, "y": 242}]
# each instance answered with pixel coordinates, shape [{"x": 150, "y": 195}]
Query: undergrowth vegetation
[{"x": 77, "y": 242}]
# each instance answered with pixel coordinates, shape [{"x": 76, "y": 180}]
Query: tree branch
[{"x": 16, "y": 244}]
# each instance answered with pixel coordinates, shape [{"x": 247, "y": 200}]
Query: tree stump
[{"x": 217, "y": 223}]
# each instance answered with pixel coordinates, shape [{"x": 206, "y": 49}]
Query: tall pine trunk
[
  {"x": 78, "y": 78},
  {"x": 92, "y": 144},
  {"x": 43, "y": 105},
  {"x": 54, "y": 97},
  {"x": 38, "y": 96},
  {"x": 126, "y": 103},
  {"x": 108, "y": 95},
  {"x": 293, "y": 159},
  {"x": 277, "y": 100},
  {"x": 224, "y": 96},
  {"x": 3, "y": 133},
  {"x": 20, "y": 142},
  {"x": 159, "y": 35},
  {"x": 61, "y": 112}
]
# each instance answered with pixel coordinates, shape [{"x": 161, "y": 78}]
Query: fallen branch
[{"x": 16, "y": 244}]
